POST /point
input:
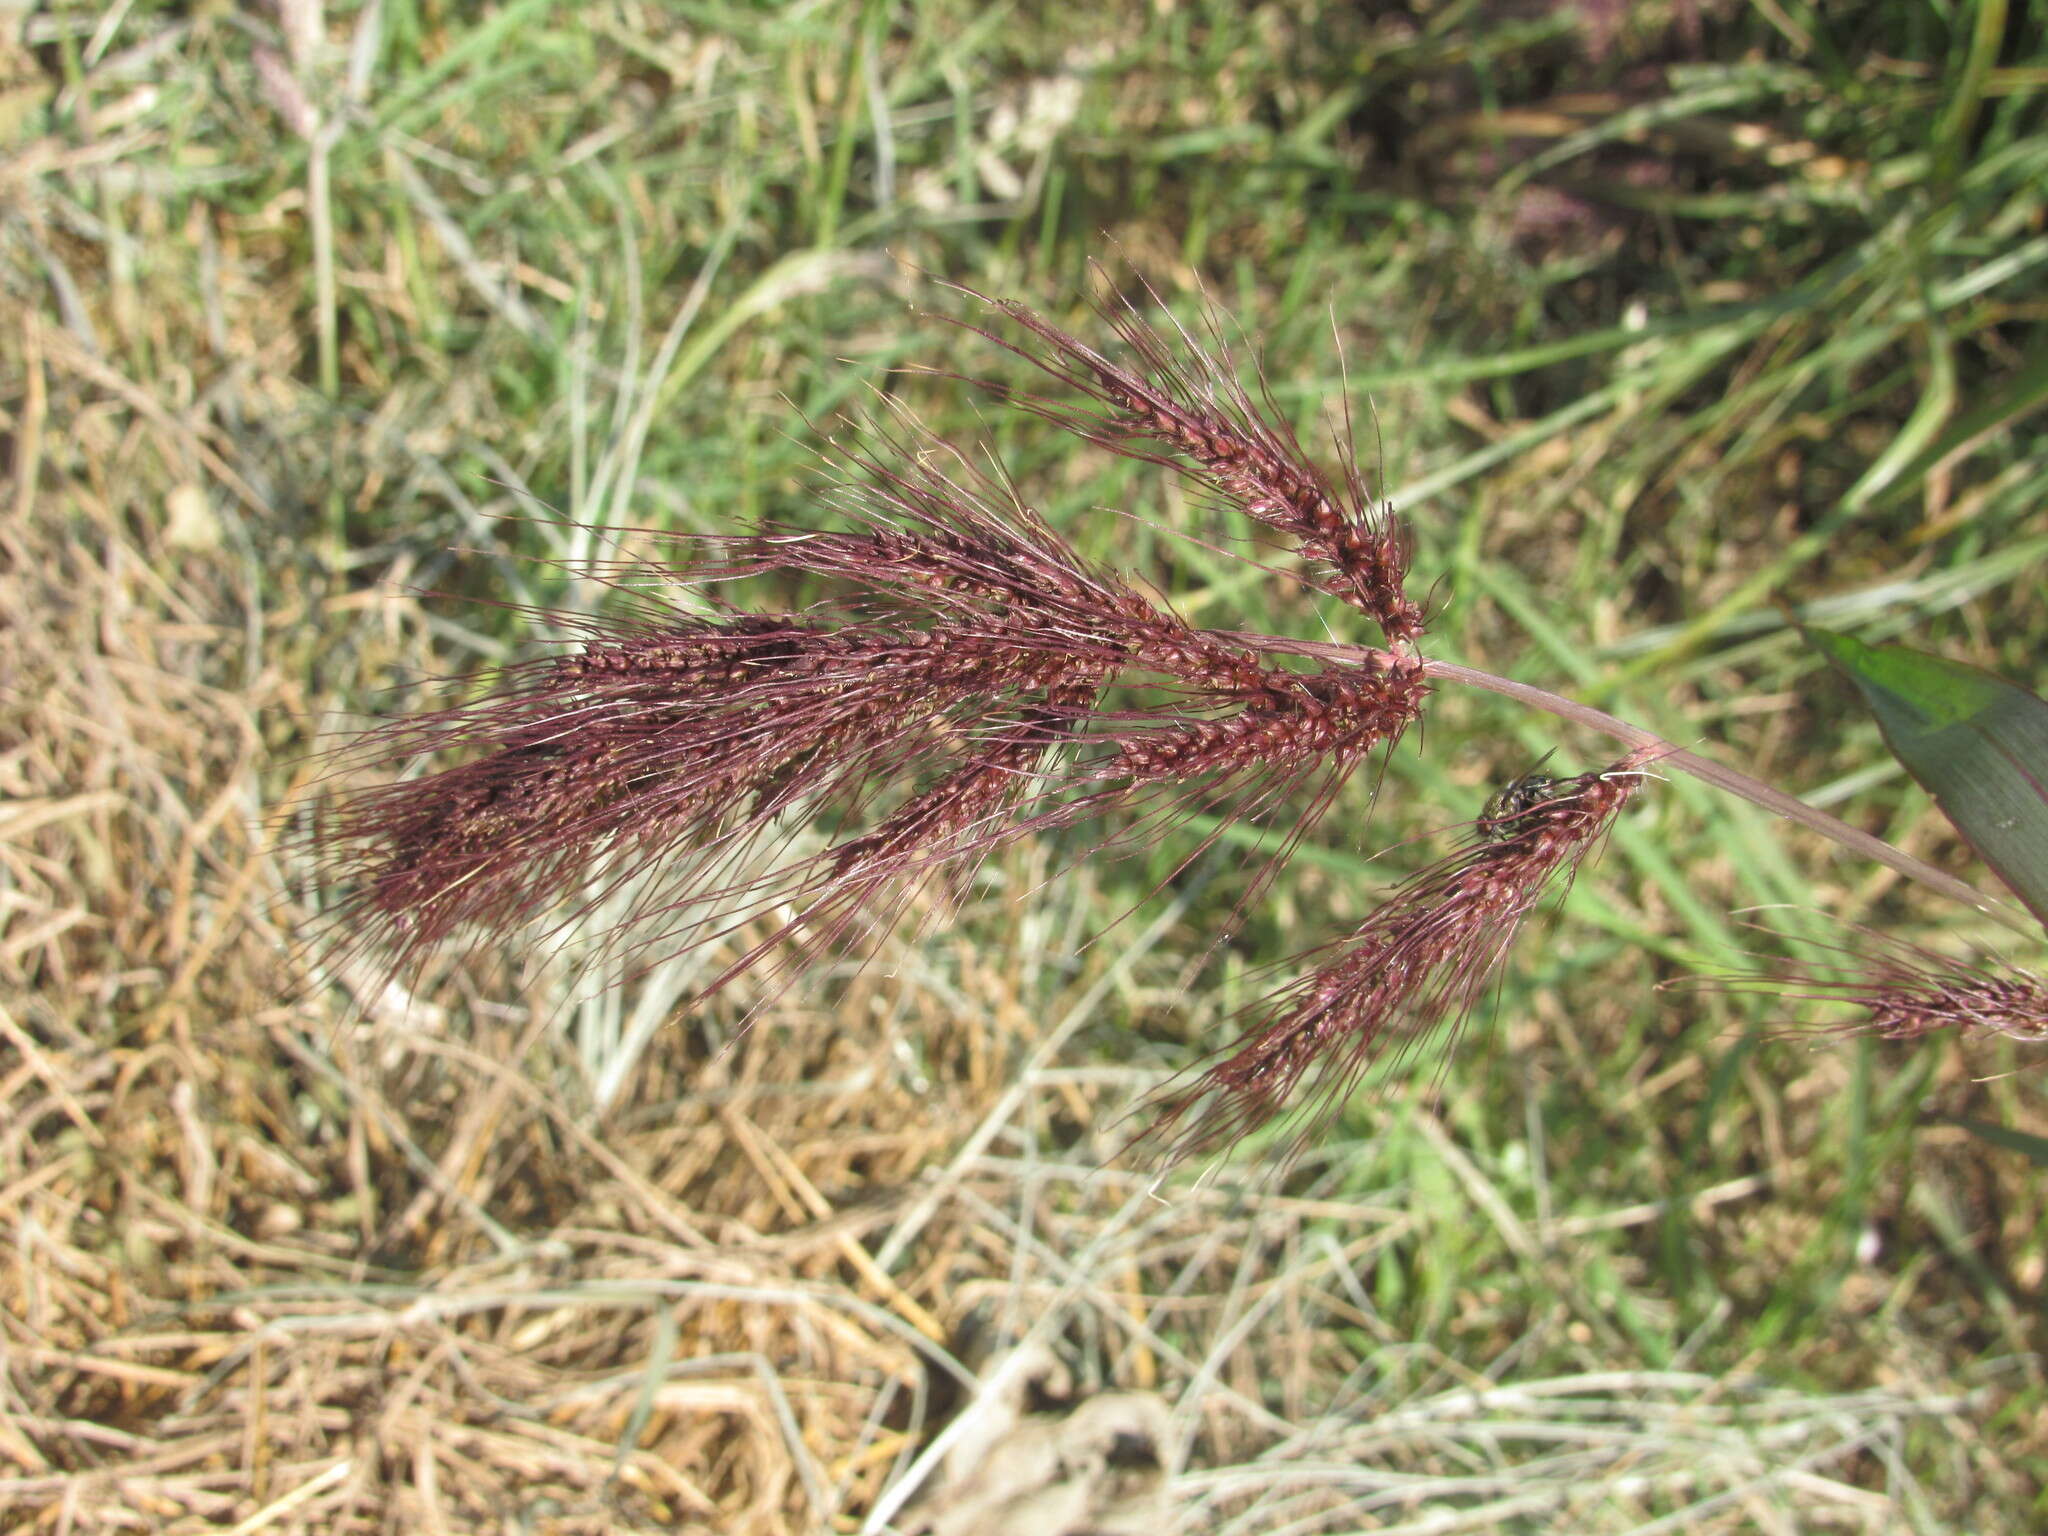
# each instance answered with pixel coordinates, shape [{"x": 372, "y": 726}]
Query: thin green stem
[{"x": 1671, "y": 755}]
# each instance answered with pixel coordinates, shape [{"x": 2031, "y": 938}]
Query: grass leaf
[
  {"x": 1976, "y": 742},
  {"x": 2033, "y": 1148}
]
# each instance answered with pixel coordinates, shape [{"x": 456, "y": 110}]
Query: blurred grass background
[{"x": 1655, "y": 320}]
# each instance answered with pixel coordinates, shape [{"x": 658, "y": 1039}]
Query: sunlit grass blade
[{"x": 1977, "y": 743}]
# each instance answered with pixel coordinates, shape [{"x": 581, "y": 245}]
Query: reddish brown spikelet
[
  {"x": 1193, "y": 406},
  {"x": 1423, "y": 958},
  {"x": 1294, "y": 718},
  {"x": 924, "y": 828},
  {"x": 1907, "y": 992},
  {"x": 1960, "y": 999},
  {"x": 1274, "y": 734}
]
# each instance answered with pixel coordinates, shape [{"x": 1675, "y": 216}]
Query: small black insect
[{"x": 1517, "y": 799}]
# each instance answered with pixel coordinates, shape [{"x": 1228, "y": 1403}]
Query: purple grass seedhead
[{"x": 780, "y": 784}]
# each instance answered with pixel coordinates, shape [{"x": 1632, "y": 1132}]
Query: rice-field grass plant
[
  {"x": 947, "y": 675},
  {"x": 1637, "y": 321}
]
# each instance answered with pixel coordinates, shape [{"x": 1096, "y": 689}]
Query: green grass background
[{"x": 1658, "y": 322}]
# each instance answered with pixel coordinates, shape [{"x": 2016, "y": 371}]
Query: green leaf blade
[{"x": 1976, "y": 742}]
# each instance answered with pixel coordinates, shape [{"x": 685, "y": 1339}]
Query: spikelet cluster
[
  {"x": 1903, "y": 991},
  {"x": 1422, "y": 959},
  {"x": 1185, "y": 407}
]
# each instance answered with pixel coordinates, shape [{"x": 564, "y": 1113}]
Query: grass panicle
[
  {"x": 953, "y": 675},
  {"x": 1666, "y": 324}
]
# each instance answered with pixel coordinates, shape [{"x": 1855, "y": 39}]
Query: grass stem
[{"x": 1672, "y": 755}]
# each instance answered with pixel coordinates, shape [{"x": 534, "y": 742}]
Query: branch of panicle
[
  {"x": 1675, "y": 758},
  {"x": 1423, "y": 958},
  {"x": 1901, "y": 990},
  {"x": 1191, "y": 404}
]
